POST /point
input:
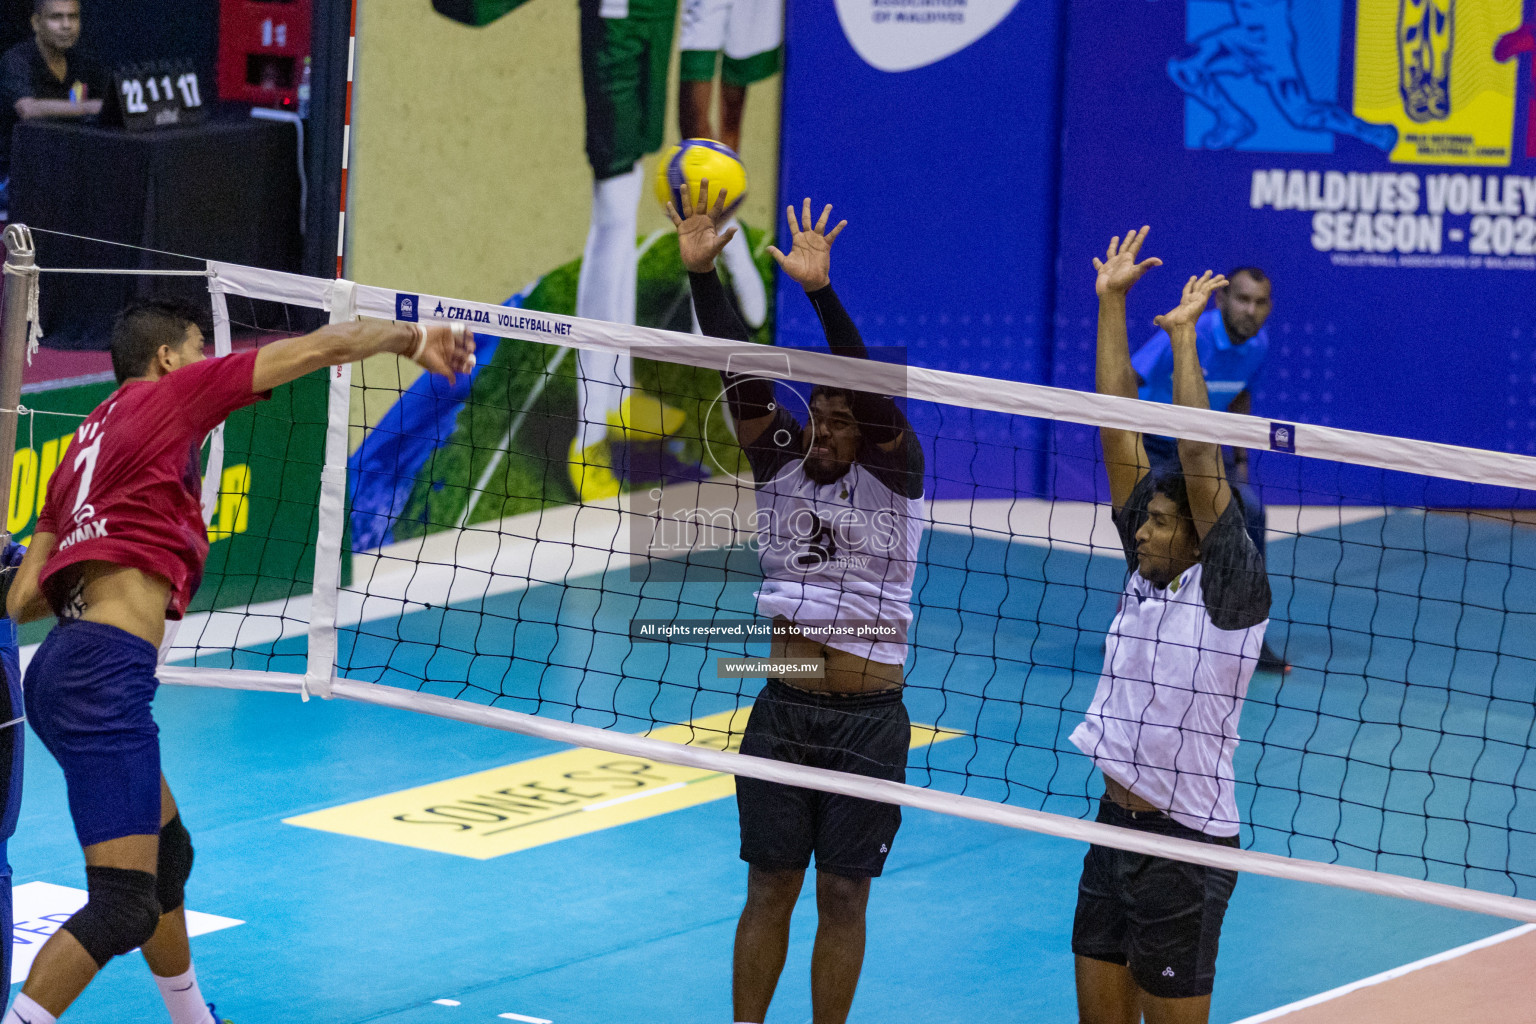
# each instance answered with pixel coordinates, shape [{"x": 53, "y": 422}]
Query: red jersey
[{"x": 129, "y": 490}]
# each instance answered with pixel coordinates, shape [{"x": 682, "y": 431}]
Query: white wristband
[{"x": 421, "y": 341}]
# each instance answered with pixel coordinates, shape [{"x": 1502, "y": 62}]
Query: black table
[{"x": 223, "y": 190}]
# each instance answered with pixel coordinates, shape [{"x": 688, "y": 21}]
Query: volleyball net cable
[{"x": 425, "y": 547}]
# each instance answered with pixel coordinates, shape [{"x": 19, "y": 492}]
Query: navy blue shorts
[{"x": 88, "y": 693}]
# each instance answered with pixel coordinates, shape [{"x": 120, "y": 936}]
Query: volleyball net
[{"x": 470, "y": 551}]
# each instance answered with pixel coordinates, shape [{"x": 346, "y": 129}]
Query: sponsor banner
[
  {"x": 899, "y": 35},
  {"x": 1398, "y": 214},
  {"x": 1428, "y": 68},
  {"x": 1365, "y": 155},
  {"x": 490, "y": 318},
  {"x": 519, "y": 806},
  {"x": 552, "y": 210},
  {"x": 951, "y": 203}
]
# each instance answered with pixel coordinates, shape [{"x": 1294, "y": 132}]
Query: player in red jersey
[{"x": 119, "y": 548}]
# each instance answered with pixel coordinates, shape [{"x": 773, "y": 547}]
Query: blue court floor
[{"x": 634, "y": 924}]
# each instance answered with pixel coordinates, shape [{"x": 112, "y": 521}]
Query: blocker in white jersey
[
  {"x": 1163, "y": 723},
  {"x": 838, "y": 558},
  {"x": 839, "y": 519}
]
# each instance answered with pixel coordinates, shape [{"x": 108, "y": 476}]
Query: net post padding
[
  {"x": 20, "y": 278},
  {"x": 213, "y": 469},
  {"x": 320, "y": 666},
  {"x": 905, "y": 795},
  {"x": 222, "y": 344}
]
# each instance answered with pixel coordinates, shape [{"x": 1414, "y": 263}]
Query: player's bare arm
[
  {"x": 25, "y": 602},
  {"x": 446, "y": 350},
  {"x": 134, "y": 600},
  {"x": 1209, "y": 492},
  {"x": 700, "y": 242},
  {"x": 1124, "y": 457}
]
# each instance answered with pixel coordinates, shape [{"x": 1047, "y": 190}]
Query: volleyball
[{"x": 695, "y": 160}]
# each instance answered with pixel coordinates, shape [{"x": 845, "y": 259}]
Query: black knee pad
[
  {"x": 120, "y": 916},
  {"x": 175, "y": 865}
]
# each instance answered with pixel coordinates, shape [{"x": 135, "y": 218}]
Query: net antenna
[{"x": 331, "y": 669}]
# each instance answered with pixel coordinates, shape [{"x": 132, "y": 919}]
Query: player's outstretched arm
[
  {"x": 700, "y": 242},
  {"x": 1204, "y": 477},
  {"x": 25, "y": 602},
  {"x": 809, "y": 262},
  {"x": 1124, "y": 457},
  {"x": 446, "y": 350}
]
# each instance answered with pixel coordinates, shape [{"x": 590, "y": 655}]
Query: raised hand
[
  {"x": 699, "y": 240},
  {"x": 447, "y": 349},
  {"x": 1118, "y": 271},
  {"x": 810, "y": 254},
  {"x": 1197, "y": 292}
]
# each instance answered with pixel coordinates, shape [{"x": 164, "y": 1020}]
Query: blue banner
[
  {"x": 1375, "y": 158},
  {"x": 932, "y": 127}
]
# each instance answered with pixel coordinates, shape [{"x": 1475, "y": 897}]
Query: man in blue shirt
[{"x": 1233, "y": 345}]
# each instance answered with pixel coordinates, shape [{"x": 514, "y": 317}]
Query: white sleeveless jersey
[{"x": 838, "y": 559}]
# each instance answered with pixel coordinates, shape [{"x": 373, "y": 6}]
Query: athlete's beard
[{"x": 825, "y": 471}]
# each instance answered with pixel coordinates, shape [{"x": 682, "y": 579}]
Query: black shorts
[
  {"x": 1159, "y": 917},
  {"x": 863, "y": 734}
]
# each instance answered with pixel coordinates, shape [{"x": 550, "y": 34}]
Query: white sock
[
  {"x": 746, "y": 282},
  {"x": 605, "y": 290},
  {"x": 25, "y": 1011},
  {"x": 183, "y": 998}
]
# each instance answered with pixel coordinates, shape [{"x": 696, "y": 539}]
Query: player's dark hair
[
  {"x": 1170, "y": 484},
  {"x": 829, "y": 391},
  {"x": 1259, "y": 277},
  {"x": 142, "y": 327},
  {"x": 39, "y": 5}
]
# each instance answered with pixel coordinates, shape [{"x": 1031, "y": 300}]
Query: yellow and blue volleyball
[{"x": 695, "y": 160}]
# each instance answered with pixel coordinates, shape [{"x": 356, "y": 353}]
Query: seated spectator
[{"x": 46, "y": 77}]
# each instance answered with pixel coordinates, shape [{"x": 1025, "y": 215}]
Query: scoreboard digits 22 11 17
[{"x": 159, "y": 94}]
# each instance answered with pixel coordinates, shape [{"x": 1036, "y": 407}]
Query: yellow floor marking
[{"x": 530, "y": 803}]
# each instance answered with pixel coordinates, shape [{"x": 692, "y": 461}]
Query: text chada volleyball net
[{"x": 427, "y": 546}]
